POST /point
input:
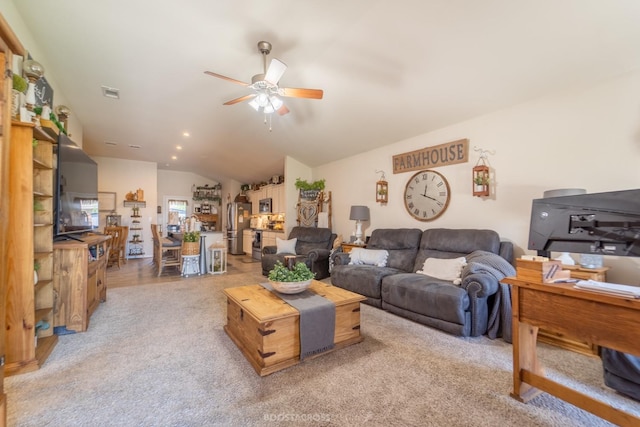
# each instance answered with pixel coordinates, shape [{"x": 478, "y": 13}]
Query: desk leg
[{"x": 525, "y": 358}]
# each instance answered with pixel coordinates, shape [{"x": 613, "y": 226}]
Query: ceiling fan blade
[
  {"x": 283, "y": 110},
  {"x": 229, "y": 79},
  {"x": 275, "y": 71},
  {"x": 242, "y": 98},
  {"x": 301, "y": 93}
]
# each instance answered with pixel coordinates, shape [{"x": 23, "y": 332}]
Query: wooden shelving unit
[
  {"x": 29, "y": 336},
  {"x": 136, "y": 232}
]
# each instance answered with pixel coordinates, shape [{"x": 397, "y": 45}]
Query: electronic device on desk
[{"x": 599, "y": 223}]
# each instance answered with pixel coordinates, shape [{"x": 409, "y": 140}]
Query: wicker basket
[{"x": 190, "y": 248}]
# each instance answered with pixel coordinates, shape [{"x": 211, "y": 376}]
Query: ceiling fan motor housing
[{"x": 264, "y": 47}]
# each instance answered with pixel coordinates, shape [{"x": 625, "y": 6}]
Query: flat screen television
[{"x": 76, "y": 199}]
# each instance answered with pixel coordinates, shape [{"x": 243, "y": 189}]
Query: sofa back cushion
[
  {"x": 452, "y": 243},
  {"x": 401, "y": 243},
  {"x": 312, "y": 238}
]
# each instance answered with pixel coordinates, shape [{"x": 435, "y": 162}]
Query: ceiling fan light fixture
[
  {"x": 254, "y": 104},
  {"x": 266, "y": 98},
  {"x": 275, "y": 102},
  {"x": 263, "y": 99},
  {"x": 268, "y": 109}
]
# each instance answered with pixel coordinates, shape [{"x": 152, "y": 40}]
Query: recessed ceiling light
[
  {"x": 134, "y": 146},
  {"x": 185, "y": 133},
  {"x": 178, "y": 147},
  {"x": 110, "y": 143},
  {"x": 174, "y": 157},
  {"x": 111, "y": 92}
]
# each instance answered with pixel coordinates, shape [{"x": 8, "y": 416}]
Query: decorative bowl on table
[
  {"x": 290, "y": 280},
  {"x": 291, "y": 287}
]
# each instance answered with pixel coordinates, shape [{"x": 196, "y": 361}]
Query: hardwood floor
[{"x": 141, "y": 271}]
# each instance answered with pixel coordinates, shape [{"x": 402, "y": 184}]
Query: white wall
[
  {"x": 121, "y": 176},
  {"x": 587, "y": 139},
  {"x": 23, "y": 33},
  {"x": 293, "y": 169}
]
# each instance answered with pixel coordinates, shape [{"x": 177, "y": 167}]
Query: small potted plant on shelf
[
  {"x": 19, "y": 87},
  {"x": 290, "y": 280},
  {"x": 191, "y": 243}
]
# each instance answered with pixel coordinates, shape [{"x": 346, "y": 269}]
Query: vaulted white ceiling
[{"x": 389, "y": 70}]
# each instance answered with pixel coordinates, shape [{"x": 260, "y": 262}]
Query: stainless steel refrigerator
[{"x": 238, "y": 218}]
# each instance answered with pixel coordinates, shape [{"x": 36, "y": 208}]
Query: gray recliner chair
[{"x": 313, "y": 248}]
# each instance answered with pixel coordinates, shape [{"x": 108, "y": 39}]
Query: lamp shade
[{"x": 359, "y": 213}]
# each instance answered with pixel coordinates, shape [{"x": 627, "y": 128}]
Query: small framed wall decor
[{"x": 106, "y": 201}]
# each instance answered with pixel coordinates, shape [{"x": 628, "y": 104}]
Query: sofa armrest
[
  {"x": 506, "y": 251},
  {"x": 480, "y": 285},
  {"x": 317, "y": 254},
  {"x": 341, "y": 258},
  {"x": 269, "y": 250}
]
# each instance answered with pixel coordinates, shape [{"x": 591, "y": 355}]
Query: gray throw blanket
[
  {"x": 482, "y": 262},
  {"x": 317, "y": 320}
]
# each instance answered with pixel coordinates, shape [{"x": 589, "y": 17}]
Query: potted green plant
[
  {"x": 480, "y": 181},
  {"x": 20, "y": 86},
  {"x": 191, "y": 243},
  {"x": 290, "y": 281},
  {"x": 309, "y": 190}
]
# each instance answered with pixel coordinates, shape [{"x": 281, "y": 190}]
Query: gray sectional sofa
[{"x": 397, "y": 287}]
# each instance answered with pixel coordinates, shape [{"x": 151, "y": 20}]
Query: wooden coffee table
[{"x": 267, "y": 329}]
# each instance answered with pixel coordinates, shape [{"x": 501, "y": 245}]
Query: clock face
[{"x": 426, "y": 195}]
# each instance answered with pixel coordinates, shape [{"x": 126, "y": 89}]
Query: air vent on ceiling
[
  {"x": 110, "y": 143},
  {"x": 134, "y": 146},
  {"x": 111, "y": 92}
]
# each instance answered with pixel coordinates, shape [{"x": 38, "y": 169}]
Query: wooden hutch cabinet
[{"x": 80, "y": 280}]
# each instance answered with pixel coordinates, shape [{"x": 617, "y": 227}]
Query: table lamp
[{"x": 359, "y": 214}]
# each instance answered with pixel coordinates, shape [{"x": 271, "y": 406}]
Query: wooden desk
[
  {"x": 602, "y": 319},
  {"x": 567, "y": 342}
]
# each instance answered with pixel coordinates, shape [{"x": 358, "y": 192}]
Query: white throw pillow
[
  {"x": 286, "y": 246},
  {"x": 444, "y": 269},
  {"x": 376, "y": 257}
]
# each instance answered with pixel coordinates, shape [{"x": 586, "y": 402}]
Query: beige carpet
[{"x": 156, "y": 355}]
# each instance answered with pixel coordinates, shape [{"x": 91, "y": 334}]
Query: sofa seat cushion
[
  {"x": 361, "y": 279},
  {"x": 427, "y": 296}
]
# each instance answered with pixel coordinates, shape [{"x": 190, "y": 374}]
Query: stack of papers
[{"x": 609, "y": 288}]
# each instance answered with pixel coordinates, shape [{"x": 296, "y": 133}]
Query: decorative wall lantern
[
  {"x": 480, "y": 176},
  {"x": 382, "y": 189}
]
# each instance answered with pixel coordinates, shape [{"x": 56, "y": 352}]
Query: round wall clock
[{"x": 426, "y": 195}]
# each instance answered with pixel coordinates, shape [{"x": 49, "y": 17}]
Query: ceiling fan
[{"x": 266, "y": 90}]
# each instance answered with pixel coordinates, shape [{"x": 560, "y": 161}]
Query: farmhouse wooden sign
[{"x": 431, "y": 157}]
